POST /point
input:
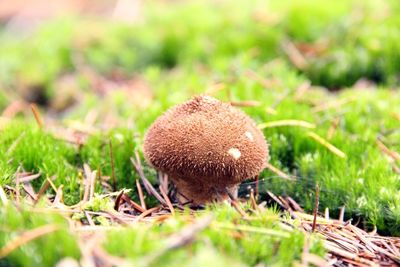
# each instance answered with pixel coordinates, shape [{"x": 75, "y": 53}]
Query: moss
[
  {"x": 60, "y": 243},
  {"x": 27, "y": 146}
]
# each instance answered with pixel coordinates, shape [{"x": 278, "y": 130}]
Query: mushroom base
[{"x": 201, "y": 193}]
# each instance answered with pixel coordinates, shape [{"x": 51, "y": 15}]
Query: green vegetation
[
  {"x": 149, "y": 244},
  {"x": 109, "y": 81}
]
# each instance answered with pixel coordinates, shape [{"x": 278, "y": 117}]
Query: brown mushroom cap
[{"x": 206, "y": 141}]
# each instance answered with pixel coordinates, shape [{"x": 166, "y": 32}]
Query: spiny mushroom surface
[{"x": 206, "y": 147}]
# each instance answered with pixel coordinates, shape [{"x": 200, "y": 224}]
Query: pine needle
[
  {"x": 326, "y": 144},
  {"x": 27, "y": 237},
  {"x": 251, "y": 229},
  {"x": 281, "y": 123},
  {"x": 278, "y": 172},
  {"x": 37, "y": 115}
]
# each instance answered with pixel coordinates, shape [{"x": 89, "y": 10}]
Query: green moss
[
  {"x": 26, "y": 146},
  {"x": 246, "y": 247},
  {"x": 45, "y": 250}
]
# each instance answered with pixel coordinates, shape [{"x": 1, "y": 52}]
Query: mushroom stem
[{"x": 200, "y": 193}]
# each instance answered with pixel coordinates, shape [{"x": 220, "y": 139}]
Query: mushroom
[{"x": 207, "y": 148}]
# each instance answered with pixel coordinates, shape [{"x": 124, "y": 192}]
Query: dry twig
[{"x": 27, "y": 237}]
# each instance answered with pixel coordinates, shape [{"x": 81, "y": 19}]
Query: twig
[
  {"x": 132, "y": 203},
  {"x": 294, "y": 204},
  {"x": 316, "y": 204},
  {"x": 117, "y": 202},
  {"x": 294, "y": 55},
  {"x": 42, "y": 191},
  {"x": 89, "y": 219},
  {"x": 147, "y": 212},
  {"x": 147, "y": 185},
  {"x": 51, "y": 183},
  {"x": 276, "y": 199},
  {"x": 87, "y": 182},
  {"x": 332, "y": 128},
  {"x": 37, "y": 116},
  {"x": 17, "y": 193},
  {"x": 341, "y": 214},
  {"x": 112, "y": 166},
  {"x": 282, "y": 123},
  {"x": 59, "y": 195},
  {"x": 278, "y": 172},
  {"x": 237, "y": 207},
  {"x": 327, "y": 213},
  {"x": 27, "y": 237},
  {"x": 347, "y": 254},
  {"x": 163, "y": 180},
  {"x": 257, "y": 187},
  {"x": 326, "y": 144},
  {"x": 248, "y": 103},
  {"x": 29, "y": 178},
  {"x": 140, "y": 192},
  {"x": 394, "y": 155},
  {"x": 169, "y": 204},
  {"x": 92, "y": 184},
  {"x": 253, "y": 201},
  {"x": 28, "y": 189}
]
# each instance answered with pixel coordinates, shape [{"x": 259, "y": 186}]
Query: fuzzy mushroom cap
[{"x": 205, "y": 139}]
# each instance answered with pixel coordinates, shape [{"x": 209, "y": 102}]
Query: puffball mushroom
[{"x": 207, "y": 148}]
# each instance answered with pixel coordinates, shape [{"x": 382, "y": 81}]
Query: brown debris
[
  {"x": 316, "y": 205},
  {"x": 278, "y": 172},
  {"x": 248, "y": 103},
  {"x": 112, "y": 166},
  {"x": 140, "y": 193},
  {"x": 147, "y": 185},
  {"x": 132, "y": 203},
  {"x": 332, "y": 128},
  {"x": 392, "y": 154},
  {"x": 348, "y": 245},
  {"x": 14, "y": 108},
  {"x": 37, "y": 115},
  {"x": 294, "y": 55},
  {"x": 42, "y": 191},
  {"x": 169, "y": 204}
]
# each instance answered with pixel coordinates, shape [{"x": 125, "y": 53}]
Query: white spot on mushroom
[
  {"x": 234, "y": 152},
  {"x": 249, "y": 135}
]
